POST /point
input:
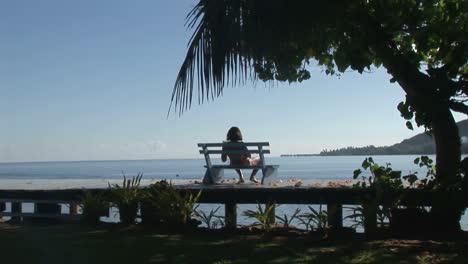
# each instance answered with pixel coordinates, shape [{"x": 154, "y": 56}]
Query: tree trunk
[
  {"x": 447, "y": 142},
  {"x": 424, "y": 97},
  {"x": 446, "y": 209}
]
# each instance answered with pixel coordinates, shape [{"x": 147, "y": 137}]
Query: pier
[{"x": 47, "y": 203}]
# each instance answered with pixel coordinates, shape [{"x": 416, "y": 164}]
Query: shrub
[
  {"x": 93, "y": 206},
  {"x": 315, "y": 220},
  {"x": 211, "y": 220},
  {"x": 286, "y": 221},
  {"x": 261, "y": 215},
  {"x": 126, "y": 198},
  {"x": 163, "y": 205}
]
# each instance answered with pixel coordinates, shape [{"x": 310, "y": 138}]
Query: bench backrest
[{"x": 259, "y": 148}]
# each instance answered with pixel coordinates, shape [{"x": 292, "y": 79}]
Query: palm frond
[
  {"x": 239, "y": 40},
  {"x": 215, "y": 53}
]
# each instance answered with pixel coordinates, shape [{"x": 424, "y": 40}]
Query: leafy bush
[
  {"x": 93, "y": 206},
  {"x": 385, "y": 178},
  {"x": 126, "y": 198},
  {"x": 358, "y": 216},
  {"x": 262, "y": 216},
  {"x": 315, "y": 220},
  {"x": 163, "y": 205},
  {"x": 286, "y": 221},
  {"x": 207, "y": 219}
]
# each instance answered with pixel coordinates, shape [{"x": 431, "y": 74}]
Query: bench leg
[
  {"x": 213, "y": 176},
  {"x": 270, "y": 175}
]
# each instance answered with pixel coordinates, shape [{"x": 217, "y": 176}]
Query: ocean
[
  {"x": 305, "y": 168},
  {"x": 78, "y": 174}
]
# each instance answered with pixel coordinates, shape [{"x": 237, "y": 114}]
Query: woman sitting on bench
[{"x": 234, "y": 135}]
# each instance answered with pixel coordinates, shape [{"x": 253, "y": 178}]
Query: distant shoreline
[{"x": 342, "y": 155}]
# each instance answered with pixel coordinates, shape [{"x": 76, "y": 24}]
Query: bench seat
[
  {"x": 239, "y": 167},
  {"x": 215, "y": 173}
]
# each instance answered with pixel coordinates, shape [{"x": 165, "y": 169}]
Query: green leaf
[
  {"x": 365, "y": 164},
  {"x": 425, "y": 159},
  {"x": 356, "y": 173},
  {"x": 409, "y": 125}
]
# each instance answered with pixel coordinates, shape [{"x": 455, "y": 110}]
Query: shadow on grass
[{"x": 77, "y": 244}]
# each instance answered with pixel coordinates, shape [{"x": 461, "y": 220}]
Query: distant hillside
[{"x": 417, "y": 145}]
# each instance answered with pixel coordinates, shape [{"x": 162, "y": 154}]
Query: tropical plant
[
  {"x": 93, "y": 206},
  {"x": 384, "y": 178},
  {"x": 422, "y": 45},
  {"x": 126, "y": 198},
  {"x": 286, "y": 221},
  {"x": 429, "y": 180},
  {"x": 315, "y": 220},
  {"x": 163, "y": 205},
  {"x": 211, "y": 220},
  {"x": 389, "y": 189},
  {"x": 262, "y": 215},
  {"x": 358, "y": 216}
]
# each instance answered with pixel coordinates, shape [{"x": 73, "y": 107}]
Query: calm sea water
[{"x": 304, "y": 168}]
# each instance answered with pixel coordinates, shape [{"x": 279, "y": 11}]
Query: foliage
[
  {"x": 263, "y": 216},
  {"x": 163, "y": 205},
  {"x": 429, "y": 180},
  {"x": 384, "y": 178},
  {"x": 380, "y": 176},
  {"x": 422, "y": 45},
  {"x": 207, "y": 219},
  {"x": 407, "y": 37},
  {"x": 93, "y": 206},
  {"x": 389, "y": 188},
  {"x": 126, "y": 198},
  {"x": 358, "y": 216},
  {"x": 384, "y": 181},
  {"x": 315, "y": 220},
  {"x": 286, "y": 221}
]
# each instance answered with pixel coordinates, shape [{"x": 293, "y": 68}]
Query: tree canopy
[
  {"x": 423, "y": 45},
  {"x": 416, "y": 41}
]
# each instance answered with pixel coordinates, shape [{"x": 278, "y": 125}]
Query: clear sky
[{"x": 92, "y": 80}]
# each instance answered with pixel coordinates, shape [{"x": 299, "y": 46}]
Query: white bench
[{"x": 215, "y": 173}]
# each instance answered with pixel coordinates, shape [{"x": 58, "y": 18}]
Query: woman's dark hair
[{"x": 234, "y": 134}]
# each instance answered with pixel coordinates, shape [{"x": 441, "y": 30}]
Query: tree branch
[{"x": 458, "y": 107}]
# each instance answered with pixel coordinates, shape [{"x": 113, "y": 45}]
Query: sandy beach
[{"x": 63, "y": 184}]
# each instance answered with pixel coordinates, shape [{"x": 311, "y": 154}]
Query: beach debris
[
  {"x": 298, "y": 183},
  {"x": 316, "y": 184},
  {"x": 271, "y": 184}
]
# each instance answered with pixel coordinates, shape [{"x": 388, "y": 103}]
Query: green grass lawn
[{"x": 76, "y": 244}]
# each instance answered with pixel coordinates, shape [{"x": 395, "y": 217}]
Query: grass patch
[{"x": 78, "y": 244}]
